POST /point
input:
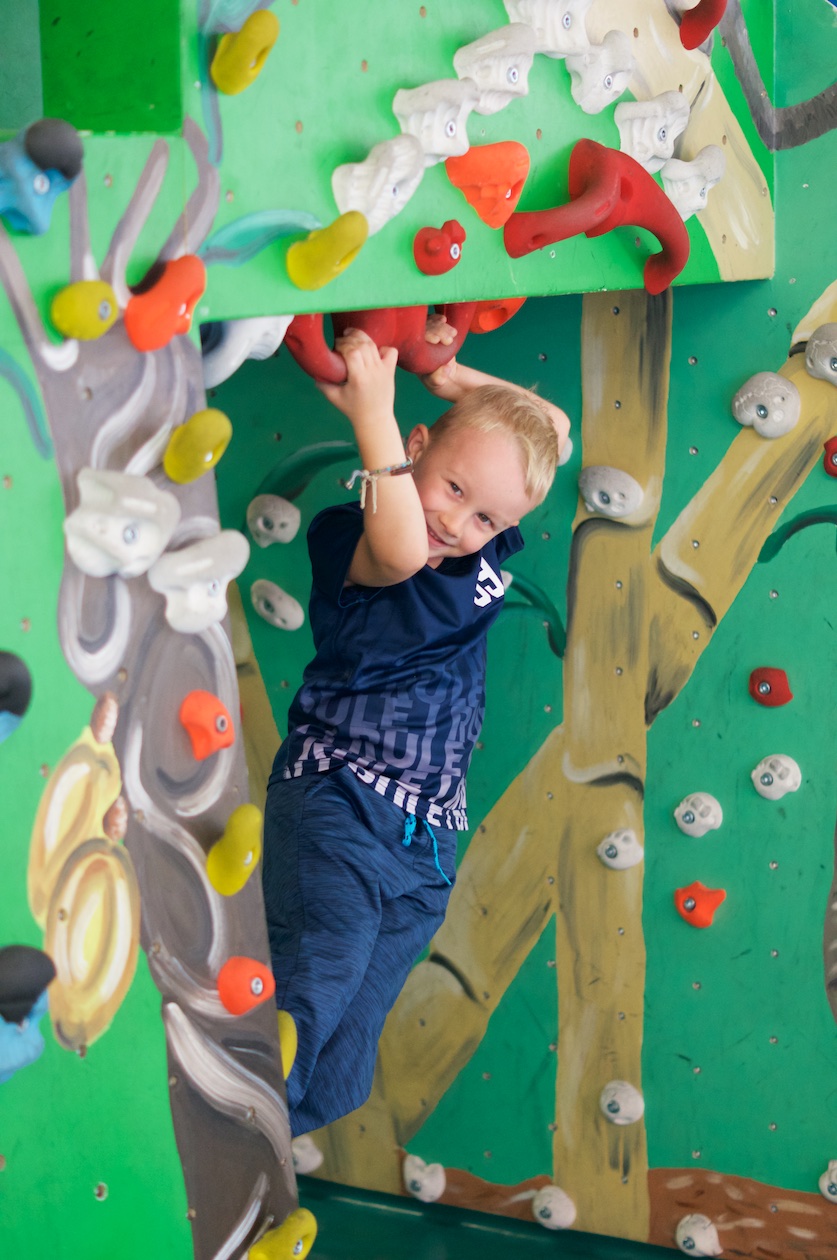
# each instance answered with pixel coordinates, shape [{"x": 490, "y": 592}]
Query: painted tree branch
[
  {"x": 738, "y": 219},
  {"x": 779, "y": 128}
]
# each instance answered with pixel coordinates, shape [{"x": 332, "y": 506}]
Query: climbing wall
[{"x": 574, "y": 1050}]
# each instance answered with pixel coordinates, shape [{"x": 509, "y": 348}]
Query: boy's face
[{"x": 471, "y": 487}]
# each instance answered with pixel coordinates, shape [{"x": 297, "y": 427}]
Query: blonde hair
[{"x": 501, "y": 408}]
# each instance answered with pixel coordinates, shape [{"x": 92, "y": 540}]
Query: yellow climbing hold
[
  {"x": 327, "y": 251},
  {"x": 291, "y": 1241},
  {"x": 85, "y": 310},
  {"x": 240, "y": 56},
  {"x": 287, "y": 1041},
  {"x": 197, "y": 445},
  {"x": 232, "y": 859}
]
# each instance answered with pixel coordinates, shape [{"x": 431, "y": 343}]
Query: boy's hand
[
  {"x": 439, "y": 332},
  {"x": 367, "y": 396}
]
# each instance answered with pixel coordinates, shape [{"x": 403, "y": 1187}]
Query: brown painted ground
[{"x": 753, "y": 1220}]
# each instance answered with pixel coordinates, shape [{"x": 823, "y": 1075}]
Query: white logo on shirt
[{"x": 493, "y": 587}]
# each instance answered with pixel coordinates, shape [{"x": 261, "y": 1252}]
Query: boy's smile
[{"x": 471, "y": 486}]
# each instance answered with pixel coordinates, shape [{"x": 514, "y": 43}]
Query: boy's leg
[
  {"x": 342, "y": 1076},
  {"x": 323, "y": 906}
]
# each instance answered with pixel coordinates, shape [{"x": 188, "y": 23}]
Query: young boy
[{"x": 368, "y": 790}]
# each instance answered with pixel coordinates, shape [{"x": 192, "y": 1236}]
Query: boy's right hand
[{"x": 367, "y": 397}]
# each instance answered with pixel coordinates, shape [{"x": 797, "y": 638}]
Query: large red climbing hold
[
  {"x": 608, "y": 189},
  {"x": 697, "y": 24},
  {"x": 491, "y": 315}
]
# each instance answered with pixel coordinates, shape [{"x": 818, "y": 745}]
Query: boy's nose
[{"x": 449, "y": 522}]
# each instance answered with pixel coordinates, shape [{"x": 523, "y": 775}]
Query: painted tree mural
[{"x": 110, "y": 406}]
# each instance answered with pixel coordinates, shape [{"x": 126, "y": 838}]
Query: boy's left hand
[{"x": 439, "y": 332}]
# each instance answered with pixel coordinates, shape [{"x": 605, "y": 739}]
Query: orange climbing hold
[
  {"x": 491, "y": 178},
  {"x": 208, "y": 723},
  {"x": 244, "y": 983},
  {"x": 697, "y": 903},
  {"x": 164, "y": 302},
  {"x": 491, "y": 315}
]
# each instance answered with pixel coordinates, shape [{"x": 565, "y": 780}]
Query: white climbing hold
[
  {"x": 620, "y": 850},
  {"x": 688, "y": 184},
  {"x": 276, "y": 606},
  {"x": 828, "y": 1182},
  {"x": 769, "y": 402},
  {"x": 559, "y": 25},
  {"x": 307, "y": 1156},
  {"x": 499, "y": 64},
  {"x": 437, "y": 115},
  {"x": 648, "y": 129},
  {"x": 821, "y": 353},
  {"x": 272, "y": 519},
  {"x": 381, "y": 185},
  {"x": 621, "y": 1103},
  {"x": 697, "y": 1236},
  {"x": 553, "y": 1208},
  {"x": 698, "y": 813},
  {"x": 600, "y": 74},
  {"x": 775, "y": 776},
  {"x": 609, "y": 491},
  {"x": 194, "y": 580},
  {"x": 122, "y": 524},
  {"x": 423, "y": 1181}
]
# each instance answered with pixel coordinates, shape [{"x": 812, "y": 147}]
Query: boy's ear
[{"x": 417, "y": 442}]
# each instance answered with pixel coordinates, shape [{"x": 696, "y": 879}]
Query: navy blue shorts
[{"x": 349, "y": 909}]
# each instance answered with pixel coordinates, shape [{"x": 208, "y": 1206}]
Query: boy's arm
[
  {"x": 393, "y": 545},
  {"x": 453, "y": 380}
]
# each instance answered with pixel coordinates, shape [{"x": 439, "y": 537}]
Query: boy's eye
[
  {"x": 485, "y": 520},
  {"x": 455, "y": 488}
]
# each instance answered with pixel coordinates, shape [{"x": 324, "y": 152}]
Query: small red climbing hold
[
  {"x": 437, "y": 250},
  {"x": 697, "y": 903},
  {"x": 829, "y": 459},
  {"x": 208, "y": 723},
  {"x": 244, "y": 983},
  {"x": 770, "y": 687}
]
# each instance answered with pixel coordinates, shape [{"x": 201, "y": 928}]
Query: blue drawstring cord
[{"x": 409, "y": 832}]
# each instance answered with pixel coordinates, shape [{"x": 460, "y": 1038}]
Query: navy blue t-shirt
[{"x": 397, "y": 687}]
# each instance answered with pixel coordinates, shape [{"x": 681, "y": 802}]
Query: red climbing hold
[
  {"x": 491, "y": 178},
  {"x": 608, "y": 189},
  {"x": 208, "y": 723},
  {"x": 437, "y": 250},
  {"x": 697, "y": 903},
  {"x": 829, "y": 459},
  {"x": 244, "y": 983},
  {"x": 164, "y": 302},
  {"x": 491, "y": 315},
  {"x": 403, "y": 327},
  {"x": 770, "y": 687},
  {"x": 697, "y": 24}
]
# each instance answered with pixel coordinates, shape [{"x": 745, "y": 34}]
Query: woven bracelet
[{"x": 369, "y": 477}]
